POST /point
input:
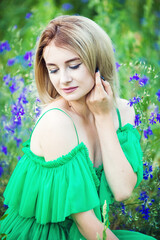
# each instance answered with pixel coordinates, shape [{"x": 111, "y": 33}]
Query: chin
[{"x": 73, "y": 98}]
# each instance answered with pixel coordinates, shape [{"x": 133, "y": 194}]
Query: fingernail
[{"x": 103, "y": 78}]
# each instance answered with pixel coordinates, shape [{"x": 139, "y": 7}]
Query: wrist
[{"x": 105, "y": 117}]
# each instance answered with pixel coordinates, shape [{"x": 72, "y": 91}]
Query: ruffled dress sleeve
[
  {"x": 51, "y": 191},
  {"x": 129, "y": 139},
  {"x": 41, "y": 196}
]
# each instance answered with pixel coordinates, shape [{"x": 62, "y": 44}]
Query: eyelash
[{"x": 74, "y": 67}]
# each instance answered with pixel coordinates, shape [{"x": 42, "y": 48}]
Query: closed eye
[
  {"x": 53, "y": 71},
  {"x": 76, "y": 66},
  {"x": 72, "y": 67}
]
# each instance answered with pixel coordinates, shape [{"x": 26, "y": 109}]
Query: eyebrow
[{"x": 70, "y": 60}]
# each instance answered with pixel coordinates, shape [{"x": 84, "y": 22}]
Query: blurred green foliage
[{"x": 134, "y": 29}]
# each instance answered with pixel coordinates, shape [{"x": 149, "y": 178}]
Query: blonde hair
[{"x": 82, "y": 36}]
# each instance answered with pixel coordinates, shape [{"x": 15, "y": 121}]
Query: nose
[{"x": 65, "y": 77}]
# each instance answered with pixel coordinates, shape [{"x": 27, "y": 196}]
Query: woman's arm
[
  {"x": 119, "y": 173},
  {"x": 89, "y": 225}
]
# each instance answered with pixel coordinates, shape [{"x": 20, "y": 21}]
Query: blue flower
[
  {"x": 1, "y": 171},
  {"x": 134, "y": 101},
  {"x": 18, "y": 158},
  {"x": 147, "y": 171},
  {"x": 67, "y": 6},
  {"x": 18, "y": 141},
  {"x": 143, "y": 196},
  {"x": 28, "y": 58},
  {"x": 151, "y": 119},
  {"x": 28, "y": 15},
  {"x": 11, "y": 61},
  {"x": 17, "y": 112},
  {"x": 15, "y": 27},
  {"x": 148, "y": 132},
  {"x": 158, "y": 95},
  {"x": 145, "y": 211},
  {"x": 5, "y": 206},
  {"x": 137, "y": 120},
  {"x": 143, "y": 81},
  {"x": 4, "y": 46},
  {"x": 158, "y": 117},
  {"x": 135, "y": 77},
  {"x": 13, "y": 88},
  {"x": 117, "y": 66},
  {"x": 4, "y": 149},
  {"x": 7, "y": 79},
  {"x": 123, "y": 208},
  {"x": 22, "y": 97}
]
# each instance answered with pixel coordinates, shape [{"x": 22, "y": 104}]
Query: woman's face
[{"x": 67, "y": 72}]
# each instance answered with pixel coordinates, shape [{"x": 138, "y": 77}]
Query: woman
[{"x": 83, "y": 149}]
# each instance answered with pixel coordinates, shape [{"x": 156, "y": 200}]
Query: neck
[{"x": 80, "y": 107}]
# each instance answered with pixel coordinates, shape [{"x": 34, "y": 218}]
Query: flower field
[{"x": 134, "y": 27}]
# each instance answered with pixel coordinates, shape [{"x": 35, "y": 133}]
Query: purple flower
[
  {"x": 148, "y": 132},
  {"x": 28, "y": 58},
  {"x": 37, "y": 111},
  {"x": 158, "y": 95},
  {"x": 143, "y": 196},
  {"x": 134, "y": 101},
  {"x": 135, "y": 77},
  {"x": 123, "y": 208},
  {"x": 18, "y": 158},
  {"x": 147, "y": 171},
  {"x": 4, "y": 149},
  {"x": 4, "y": 46},
  {"x": 7, "y": 79},
  {"x": 158, "y": 117},
  {"x": 67, "y": 6},
  {"x": 17, "y": 112},
  {"x": 117, "y": 66},
  {"x": 143, "y": 81},
  {"x": 13, "y": 88},
  {"x": 22, "y": 97},
  {"x": 137, "y": 120},
  {"x": 11, "y": 61},
  {"x": 145, "y": 211},
  {"x": 151, "y": 119},
  {"x": 18, "y": 141},
  {"x": 1, "y": 171},
  {"x": 28, "y": 15}
]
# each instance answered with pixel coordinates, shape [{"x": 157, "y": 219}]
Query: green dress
[{"x": 41, "y": 196}]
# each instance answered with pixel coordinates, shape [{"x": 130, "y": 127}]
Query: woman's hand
[{"x": 100, "y": 98}]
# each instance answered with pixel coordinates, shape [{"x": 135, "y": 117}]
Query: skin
[
  {"x": 93, "y": 99},
  {"x": 63, "y": 76}
]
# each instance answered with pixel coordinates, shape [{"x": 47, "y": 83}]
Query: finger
[
  {"x": 98, "y": 81},
  {"x": 107, "y": 88}
]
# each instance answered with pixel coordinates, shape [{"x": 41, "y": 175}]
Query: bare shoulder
[
  {"x": 127, "y": 113},
  {"x": 57, "y": 134}
]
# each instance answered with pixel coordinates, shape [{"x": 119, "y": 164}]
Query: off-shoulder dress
[{"x": 41, "y": 196}]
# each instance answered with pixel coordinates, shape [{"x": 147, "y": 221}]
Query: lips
[{"x": 69, "y": 88}]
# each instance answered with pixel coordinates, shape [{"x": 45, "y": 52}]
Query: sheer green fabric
[{"x": 41, "y": 196}]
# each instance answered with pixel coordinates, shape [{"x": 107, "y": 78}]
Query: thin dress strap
[
  {"x": 119, "y": 118},
  {"x": 61, "y": 111}
]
